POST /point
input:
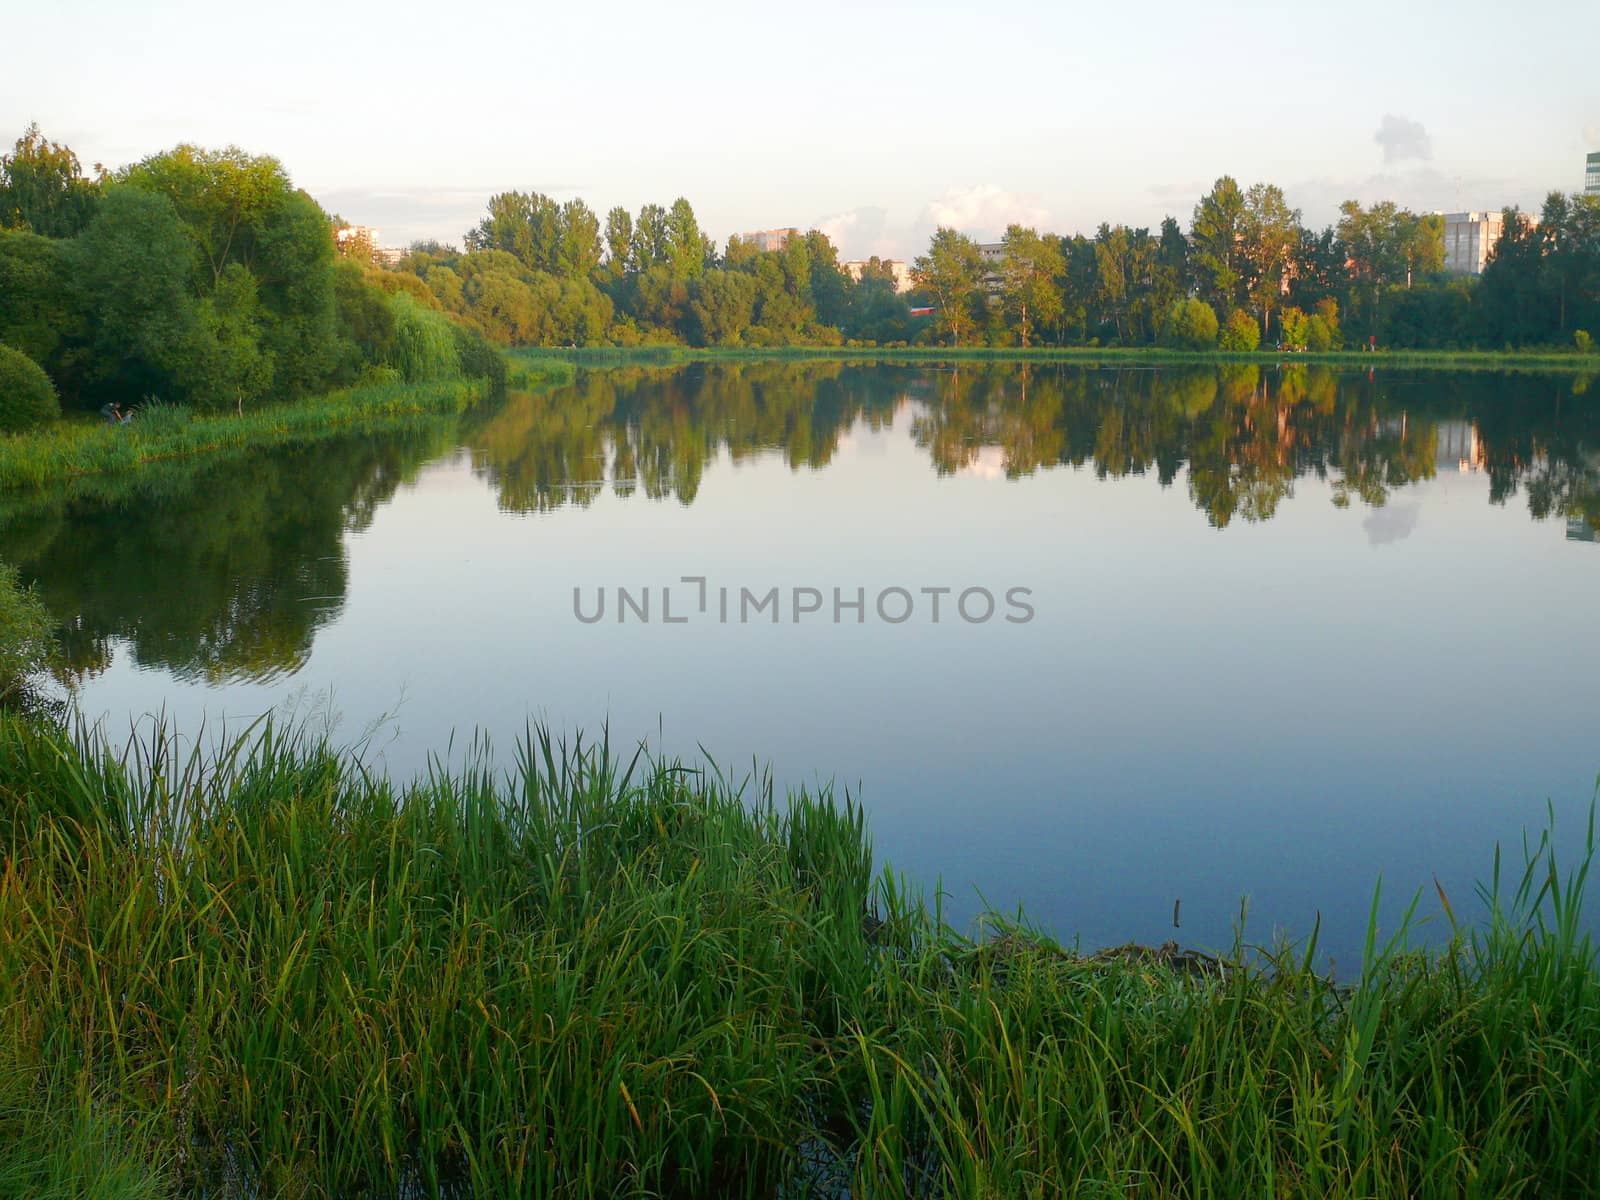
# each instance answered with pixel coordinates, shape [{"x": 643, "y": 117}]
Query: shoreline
[
  {"x": 72, "y": 450},
  {"x": 639, "y": 969},
  {"x": 1462, "y": 360}
]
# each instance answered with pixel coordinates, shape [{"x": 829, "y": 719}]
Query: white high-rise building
[
  {"x": 1468, "y": 238},
  {"x": 1591, "y": 175}
]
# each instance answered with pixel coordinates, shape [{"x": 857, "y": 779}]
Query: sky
[{"x": 874, "y": 122}]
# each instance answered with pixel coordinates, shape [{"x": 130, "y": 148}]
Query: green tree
[
  {"x": 580, "y": 248},
  {"x": 723, "y": 304},
  {"x": 223, "y": 197},
  {"x": 686, "y": 245},
  {"x": 1269, "y": 233},
  {"x": 1028, "y": 273},
  {"x": 43, "y": 189},
  {"x": 365, "y": 319},
  {"x": 652, "y": 242},
  {"x": 224, "y": 366},
  {"x": 1215, "y": 239},
  {"x": 952, "y": 270},
  {"x": 619, "y": 241},
  {"x": 40, "y": 312},
  {"x": 132, "y": 271}
]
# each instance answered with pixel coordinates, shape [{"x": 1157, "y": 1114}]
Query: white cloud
[
  {"x": 855, "y": 233},
  {"x": 984, "y": 210}
]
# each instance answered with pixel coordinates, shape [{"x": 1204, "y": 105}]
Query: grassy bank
[
  {"x": 266, "y": 971},
  {"x": 1475, "y": 360},
  {"x": 76, "y": 448}
]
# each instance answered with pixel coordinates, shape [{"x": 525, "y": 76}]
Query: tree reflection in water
[{"x": 223, "y": 571}]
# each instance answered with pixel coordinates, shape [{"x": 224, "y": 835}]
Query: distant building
[
  {"x": 1468, "y": 239},
  {"x": 1591, "y": 175},
  {"x": 361, "y": 241},
  {"x": 769, "y": 239},
  {"x": 899, "y": 271},
  {"x": 1579, "y": 530},
  {"x": 993, "y": 255},
  {"x": 348, "y": 237}
]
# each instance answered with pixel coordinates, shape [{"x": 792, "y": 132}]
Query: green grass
[
  {"x": 263, "y": 969},
  {"x": 74, "y": 449},
  {"x": 1483, "y": 360}
]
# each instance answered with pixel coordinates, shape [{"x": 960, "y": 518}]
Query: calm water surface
[{"x": 1292, "y": 630}]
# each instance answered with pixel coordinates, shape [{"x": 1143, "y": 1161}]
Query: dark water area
[{"x": 1252, "y": 635}]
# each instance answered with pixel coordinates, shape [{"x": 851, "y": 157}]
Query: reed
[
  {"x": 258, "y": 967},
  {"x": 161, "y": 433}
]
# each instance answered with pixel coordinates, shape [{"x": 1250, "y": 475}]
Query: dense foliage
[
  {"x": 27, "y": 397},
  {"x": 536, "y": 272},
  {"x": 201, "y": 277},
  {"x": 270, "y": 971}
]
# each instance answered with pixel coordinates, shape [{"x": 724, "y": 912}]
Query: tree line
[{"x": 1246, "y": 273}]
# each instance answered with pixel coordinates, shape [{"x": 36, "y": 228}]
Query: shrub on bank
[
  {"x": 1241, "y": 333},
  {"x": 27, "y": 397},
  {"x": 1189, "y": 325},
  {"x": 26, "y": 634}
]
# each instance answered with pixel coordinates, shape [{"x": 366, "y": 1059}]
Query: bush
[
  {"x": 1319, "y": 338},
  {"x": 1189, "y": 325},
  {"x": 26, "y": 638},
  {"x": 479, "y": 359},
  {"x": 1241, "y": 332},
  {"x": 27, "y": 397},
  {"x": 1584, "y": 342}
]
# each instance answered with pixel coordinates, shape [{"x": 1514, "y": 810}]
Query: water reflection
[
  {"x": 215, "y": 571},
  {"x": 219, "y": 572},
  {"x": 1245, "y": 434}
]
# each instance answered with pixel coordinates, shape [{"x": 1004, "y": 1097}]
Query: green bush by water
[
  {"x": 27, "y": 397},
  {"x": 265, "y": 970},
  {"x": 27, "y": 634}
]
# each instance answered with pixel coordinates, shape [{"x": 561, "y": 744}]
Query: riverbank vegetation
[
  {"x": 68, "y": 450},
  {"x": 201, "y": 278},
  {"x": 265, "y": 969}
]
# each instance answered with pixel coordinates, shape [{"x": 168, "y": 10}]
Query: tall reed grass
[
  {"x": 158, "y": 432},
  {"x": 263, "y": 969}
]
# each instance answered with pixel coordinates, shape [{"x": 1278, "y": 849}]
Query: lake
[{"x": 1088, "y": 641}]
